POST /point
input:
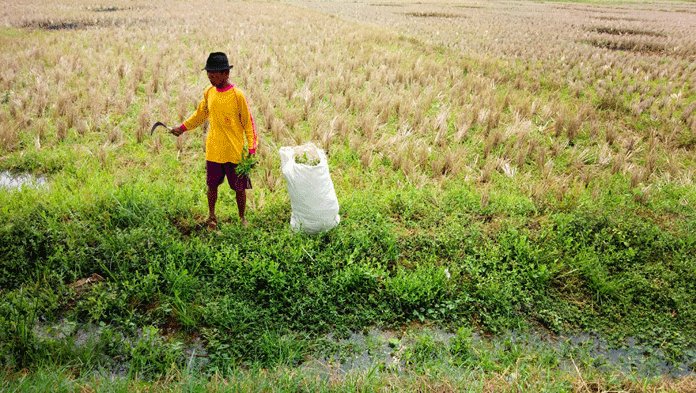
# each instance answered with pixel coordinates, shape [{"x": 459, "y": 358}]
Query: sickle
[{"x": 159, "y": 123}]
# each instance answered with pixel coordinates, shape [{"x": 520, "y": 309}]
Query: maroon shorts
[{"x": 216, "y": 173}]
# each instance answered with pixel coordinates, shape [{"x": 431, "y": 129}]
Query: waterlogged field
[{"x": 504, "y": 170}]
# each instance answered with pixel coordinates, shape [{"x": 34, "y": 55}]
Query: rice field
[
  {"x": 500, "y": 166},
  {"x": 553, "y": 95}
]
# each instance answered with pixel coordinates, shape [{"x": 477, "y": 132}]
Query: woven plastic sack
[{"x": 312, "y": 195}]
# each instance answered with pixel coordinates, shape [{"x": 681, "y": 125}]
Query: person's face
[{"x": 218, "y": 78}]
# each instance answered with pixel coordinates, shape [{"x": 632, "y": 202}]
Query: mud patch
[
  {"x": 116, "y": 8},
  {"x": 83, "y": 285},
  {"x": 433, "y": 15},
  {"x": 50, "y": 25},
  {"x": 106, "y": 9},
  {"x": 620, "y": 18},
  {"x": 622, "y": 32},
  {"x": 475, "y": 7},
  {"x": 628, "y": 46},
  {"x": 187, "y": 228},
  {"x": 81, "y": 24},
  {"x": 198, "y": 224}
]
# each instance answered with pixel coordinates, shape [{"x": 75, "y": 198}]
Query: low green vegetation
[{"x": 267, "y": 297}]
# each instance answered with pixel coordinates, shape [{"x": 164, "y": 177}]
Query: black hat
[{"x": 217, "y": 61}]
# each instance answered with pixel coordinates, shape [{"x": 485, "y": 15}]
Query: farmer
[{"x": 225, "y": 106}]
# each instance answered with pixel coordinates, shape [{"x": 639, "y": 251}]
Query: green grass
[
  {"x": 266, "y": 296},
  {"x": 417, "y": 252}
]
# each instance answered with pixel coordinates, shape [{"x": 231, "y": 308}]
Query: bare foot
[
  {"x": 212, "y": 223},
  {"x": 244, "y": 223}
]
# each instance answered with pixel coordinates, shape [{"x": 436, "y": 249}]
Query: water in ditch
[
  {"x": 382, "y": 349},
  {"x": 17, "y": 181}
]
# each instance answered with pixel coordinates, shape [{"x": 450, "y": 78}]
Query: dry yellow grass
[{"x": 440, "y": 90}]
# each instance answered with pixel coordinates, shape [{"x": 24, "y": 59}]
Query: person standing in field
[{"x": 227, "y": 110}]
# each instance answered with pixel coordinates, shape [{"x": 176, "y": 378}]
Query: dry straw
[{"x": 522, "y": 86}]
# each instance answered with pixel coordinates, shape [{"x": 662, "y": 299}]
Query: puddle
[
  {"x": 370, "y": 350},
  {"x": 86, "y": 336},
  {"x": 12, "y": 181},
  {"x": 364, "y": 351},
  {"x": 631, "y": 356},
  {"x": 377, "y": 349}
]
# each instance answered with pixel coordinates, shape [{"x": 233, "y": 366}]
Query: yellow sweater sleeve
[
  {"x": 247, "y": 122},
  {"x": 201, "y": 115}
]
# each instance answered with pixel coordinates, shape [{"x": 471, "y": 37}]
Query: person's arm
[
  {"x": 247, "y": 122},
  {"x": 196, "y": 119}
]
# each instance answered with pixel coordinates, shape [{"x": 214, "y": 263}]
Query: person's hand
[{"x": 176, "y": 131}]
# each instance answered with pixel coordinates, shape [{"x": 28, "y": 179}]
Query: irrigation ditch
[{"x": 400, "y": 352}]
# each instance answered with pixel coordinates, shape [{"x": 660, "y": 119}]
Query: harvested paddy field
[{"x": 515, "y": 180}]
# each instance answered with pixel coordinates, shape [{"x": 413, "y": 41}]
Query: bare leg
[
  {"x": 241, "y": 206},
  {"x": 212, "y": 199}
]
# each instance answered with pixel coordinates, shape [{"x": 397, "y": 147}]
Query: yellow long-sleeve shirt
[{"x": 230, "y": 123}]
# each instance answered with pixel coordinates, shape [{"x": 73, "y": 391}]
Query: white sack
[{"x": 312, "y": 195}]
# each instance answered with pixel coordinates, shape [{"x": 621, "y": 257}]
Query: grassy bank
[
  {"x": 267, "y": 296},
  {"x": 487, "y": 185}
]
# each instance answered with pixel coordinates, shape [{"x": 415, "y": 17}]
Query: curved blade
[{"x": 159, "y": 123}]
